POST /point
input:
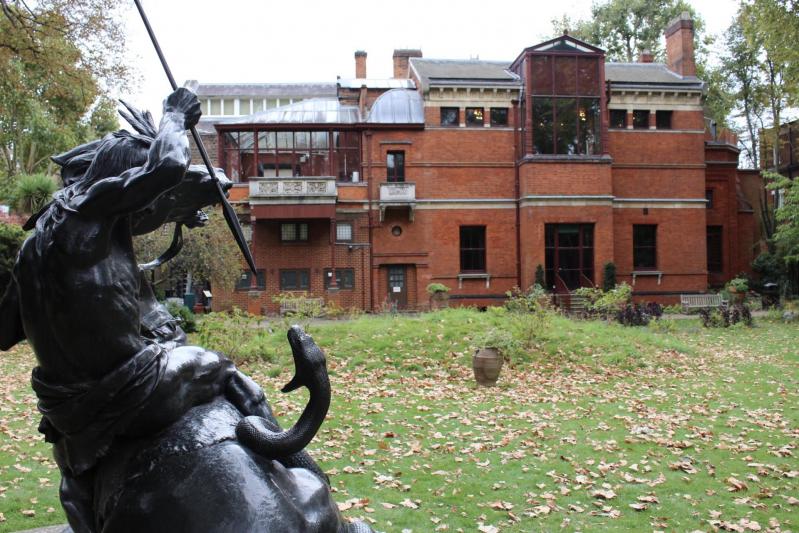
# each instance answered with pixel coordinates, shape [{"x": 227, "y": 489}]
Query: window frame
[
  {"x": 446, "y": 109},
  {"x": 499, "y": 124},
  {"x": 298, "y": 272},
  {"x": 472, "y": 122},
  {"x": 639, "y": 247},
  {"x": 297, "y": 232},
  {"x": 345, "y": 224},
  {"x": 481, "y": 263},
  {"x": 640, "y": 112},
  {"x": 246, "y": 277},
  {"x": 611, "y": 123},
  {"x": 660, "y": 116},
  {"x": 395, "y": 173},
  {"x": 342, "y": 282},
  {"x": 719, "y": 248}
]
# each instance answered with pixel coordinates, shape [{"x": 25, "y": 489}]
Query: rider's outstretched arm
[{"x": 167, "y": 162}]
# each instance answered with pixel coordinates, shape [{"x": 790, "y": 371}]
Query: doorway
[
  {"x": 569, "y": 250},
  {"x": 398, "y": 286}
]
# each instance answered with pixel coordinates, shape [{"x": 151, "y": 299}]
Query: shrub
[
  {"x": 524, "y": 302},
  {"x": 33, "y": 192},
  {"x": 235, "y": 334},
  {"x": 638, "y": 314},
  {"x": 739, "y": 284},
  {"x": 609, "y": 277},
  {"x": 612, "y": 301},
  {"x": 726, "y": 317},
  {"x": 437, "y": 288},
  {"x": 540, "y": 279},
  {"x": 501, "y": 339},
  {"x": 11, "y": 239},
  {"x": 188, "y": 320}
]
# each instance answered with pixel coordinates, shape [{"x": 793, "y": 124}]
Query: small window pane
[
  {"x": 216, "y": 107},
  {"x": 474, "y": 116},
  {"x": 295, "y": 280},
  {"x": 227, "y": 106},
  {"x": 244, "y": 106},
  {"x": 641, "y": 119},
  {"x": 542, "y": 75},
  {"x": 565, "y": 75},
  {"x": 566, "y": 131},
  {"x": 450, "y": 116},
  {"x": 618, "y": 118},
  {"x": 499, "y": 116},
  {"x": 542, "y": 126},
  {"x": 663, "y": 120},
  {"x": 244, "y": 282},
  {"x": 343, "y": 231},
  {"x": 588, "y": 76},
  {"x": 292, "y": 231},
  {"x": 709, "y": 198}
]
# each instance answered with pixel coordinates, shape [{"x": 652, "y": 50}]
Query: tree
[
  {"x": 625, "y": 28},
  {"x": 741, "y": 67},
  {"x": 11, "y": 238},
  {"x": 209, "y": 254},
  {"x": 58, "y": 63}
]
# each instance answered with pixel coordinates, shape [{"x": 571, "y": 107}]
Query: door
[
  {"x": 397, "y": 286},
  {"x": 569, "y": 255}
]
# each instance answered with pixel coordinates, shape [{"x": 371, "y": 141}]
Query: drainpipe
[
  {"x": 517, "y": 191},
  {"x": 368, "y": 135}
]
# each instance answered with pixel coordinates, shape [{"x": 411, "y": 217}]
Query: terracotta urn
[{"x": 487, "y": 363}]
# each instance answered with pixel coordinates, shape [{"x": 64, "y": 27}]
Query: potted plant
[
  {"x": 738, "y": 287},
  {"x": 438, "y": 295},
  {"x": 493, "y": 346}
]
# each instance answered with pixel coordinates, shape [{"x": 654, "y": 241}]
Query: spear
[{"x": 227, "y": 209}]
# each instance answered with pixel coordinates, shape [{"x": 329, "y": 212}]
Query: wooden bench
[
  {"x": 702, "y": 301},
  {"x": 302, "y": 306}
]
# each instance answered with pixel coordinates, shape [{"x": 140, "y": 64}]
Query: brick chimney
[
  {"x": 360, "y": 64},
  {"x": 401, "y": 65},
  {"x": 680, "y": 45},
  {"x": 646, "y": 56}
]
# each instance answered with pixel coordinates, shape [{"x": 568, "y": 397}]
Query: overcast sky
[{"x": 266, "y": 41}]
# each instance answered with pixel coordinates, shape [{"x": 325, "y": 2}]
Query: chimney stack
[
  {"x": 680, "y": 45},
  {"x": 646, "y": 56},
  {"x": 360, "y": 64},
  {"x": 401, "y": 63}
]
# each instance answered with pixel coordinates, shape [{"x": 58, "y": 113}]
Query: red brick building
[{"x": 473, "y": 173}]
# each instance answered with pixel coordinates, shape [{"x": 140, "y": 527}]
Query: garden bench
[
  {"x": 702, "y": 301},
  {"x": 302, "y": 306}
]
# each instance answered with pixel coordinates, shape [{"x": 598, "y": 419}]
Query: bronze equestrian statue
[{"x": 150, "y": 434}]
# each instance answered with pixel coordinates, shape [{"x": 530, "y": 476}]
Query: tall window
[
  {"x": 715, "y": 247},
  {"x": 709, "y": 198},
  {"x": 569, "y": 255},
  {"x": 473, "y": 248},
  {"x": 566, "y": 104},
  {"x": 499, "y": 116},
  {"x": 395, "y": 165},
  {"x": 450, "y": 116},
  {"x": 474, "y": 116},
  {"x": 644, "y": 246},
  {"x": 295, "y": 279},
  {"x": 294, "y": 232}
]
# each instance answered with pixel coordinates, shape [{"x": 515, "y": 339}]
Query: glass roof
[
  {"x": 398, "y": 106},
  {"x": 311, "y": 111}
]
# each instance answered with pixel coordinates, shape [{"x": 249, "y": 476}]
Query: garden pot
[
  {"x": 439, "y": 300},
  {"x": 487, "y": 362}
]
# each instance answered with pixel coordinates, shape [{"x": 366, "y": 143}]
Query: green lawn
[{"x": 596, "y": 428}]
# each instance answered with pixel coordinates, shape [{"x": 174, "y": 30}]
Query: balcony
[
  {"x": 295, "y": 197},
  {"x": 397, "y": 194}
]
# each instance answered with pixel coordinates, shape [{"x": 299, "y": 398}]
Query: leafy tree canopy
[{"x": 59, "y": 61}]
